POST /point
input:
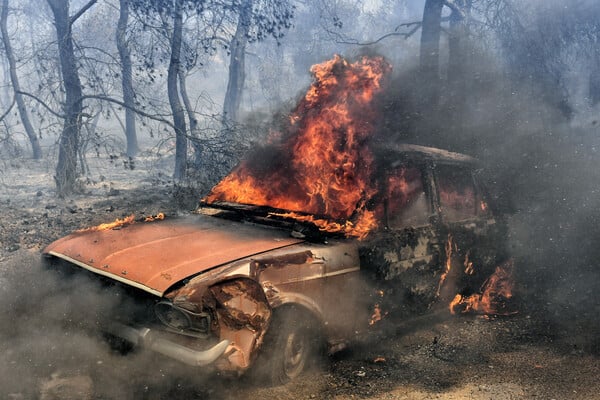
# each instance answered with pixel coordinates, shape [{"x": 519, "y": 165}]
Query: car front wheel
[{"x": 290, "y": 347}]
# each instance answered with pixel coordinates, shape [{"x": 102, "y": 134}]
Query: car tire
[{"x": 291, "y": 346}]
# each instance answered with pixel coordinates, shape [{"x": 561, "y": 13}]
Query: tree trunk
[
  {"x": 33, "y": 139},
  {"x": 126, "y": 79},
  {"x": 457, "y": 62},
  {"x": 175, "y": 103},
  {"x": 66, "y": 168},
  {"x": 187, "y": 103},
  {"x": 237, "y": 72},
  {"x": 196, "y": 145},
  {"x": 430, "y": 48},
  {"x": 456, "y": 43}
]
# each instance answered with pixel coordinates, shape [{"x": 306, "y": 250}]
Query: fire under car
[{"x": 258, "y": 283}]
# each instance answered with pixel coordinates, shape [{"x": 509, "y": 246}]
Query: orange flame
[
  {"x": 493, "y": 294},
  {"x": 448, "y": 248},
  {"x": 324, "y": 166},
  {"x": 361, "y": 229},
  {"x": 157, "y": 217},
  {"x": 469, "y": 269},
  {"x": 118, "y": 223},
  {"x": 378, "y": 313},
  {"x": 376, "y": 316}
]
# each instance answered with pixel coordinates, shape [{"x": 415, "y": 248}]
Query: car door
[
  {"x": 471, "y": 250},
  {"x": 402, "y": 258}
]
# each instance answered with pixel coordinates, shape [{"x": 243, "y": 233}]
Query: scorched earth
[{"x": 526, "y": 355}]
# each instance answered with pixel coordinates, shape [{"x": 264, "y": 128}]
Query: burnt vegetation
[{"x": 95, "y": 129}]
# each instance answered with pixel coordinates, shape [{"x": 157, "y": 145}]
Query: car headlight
[{"x": 181, "y": 320}]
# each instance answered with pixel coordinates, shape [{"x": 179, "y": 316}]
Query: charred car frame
[{"x": 234, "y": 285}]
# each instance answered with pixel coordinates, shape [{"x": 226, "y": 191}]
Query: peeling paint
[
  {"x": 243, "y": 318},
  {"x": 233, "y": 276}
]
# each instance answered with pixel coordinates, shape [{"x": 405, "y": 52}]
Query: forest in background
[{"x": 203, "y": 78}]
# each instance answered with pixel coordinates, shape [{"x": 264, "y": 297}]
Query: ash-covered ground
[{"x": 544, "y": 351}]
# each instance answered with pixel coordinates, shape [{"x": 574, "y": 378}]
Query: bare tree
[
  {"x": 237, "y": 72},
  {"x": 430, "y": 47},
  {"x": 33, "y": 139},
  {"x": 66, "y": 167},
  {"x": 127, "y": 79},
  {"x": 171, "y": 15},
  {"x": 256, "y": 19},
  {"x": 173, "y": 92}
]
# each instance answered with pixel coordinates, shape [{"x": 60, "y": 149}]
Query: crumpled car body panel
[{"x": 220, "y": 279}]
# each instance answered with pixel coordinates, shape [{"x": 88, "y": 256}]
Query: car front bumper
[{"x": 153, "y": 340}]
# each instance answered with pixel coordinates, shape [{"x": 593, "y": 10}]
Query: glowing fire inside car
[
  {"x": 320, "y": 169},
  {"x": 495, "y": 291},
  {"x": 326, "y": 164}
]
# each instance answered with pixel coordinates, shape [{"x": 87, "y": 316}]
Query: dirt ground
[{"x": 524, "y": 356}]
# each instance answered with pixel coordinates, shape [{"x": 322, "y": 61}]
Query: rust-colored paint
[
  {"x": 244, "y": 315},
  {"x": 155, "y": 256},
  {"x": 242, "y": 295},
  {"x": 282, "y": 260}
]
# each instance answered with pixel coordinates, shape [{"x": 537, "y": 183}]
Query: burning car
[{"x": 314, "y": 239}]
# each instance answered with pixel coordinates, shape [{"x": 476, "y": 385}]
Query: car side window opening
[
  {"x": 405, "y": 198},
  {"x": 457, "y": 194}
]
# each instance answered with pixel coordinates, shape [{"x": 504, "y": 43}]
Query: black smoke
[{"x": 541, "y": 168}]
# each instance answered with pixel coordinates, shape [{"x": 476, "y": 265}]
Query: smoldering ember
[{"x": 325, "y": 200}]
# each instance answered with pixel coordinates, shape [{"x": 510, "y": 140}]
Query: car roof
[{"x": 417, "y": 152}]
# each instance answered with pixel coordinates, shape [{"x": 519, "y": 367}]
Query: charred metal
[{"x": 229, "y": 279}]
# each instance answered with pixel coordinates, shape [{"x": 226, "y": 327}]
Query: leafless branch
[
  {"x": 451, "y": 4},
  {"x": 413, "y": 28},
  {"x": 8, "y": 109},
  {"x": 387, "y": 35},
  {"x": 137, "y": 111},
  {"x": 99, "y": 50},
  {"x": 81, "y": 11},
  {"x": 46, "y": 106},
  {"x": 344, "y": 40}
]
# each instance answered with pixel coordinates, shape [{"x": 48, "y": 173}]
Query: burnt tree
[
  {"x": 173, "y": 92},
  {"x": 237, "y": 73},
  {"x": 14, "y": 79},
  {"x": 429, "y": 57},
  {"x": 126, "y": 79},
  {"x": 458, "y": 34},
  {"x": 171, "y": 14},
  {"x": 66, "y": 168},
  {"x": 256, "y": 19}
]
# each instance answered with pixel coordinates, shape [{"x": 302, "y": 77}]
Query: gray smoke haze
[
  {"x": 47, "y": 351},
  {"x": 541, "y": 167}
]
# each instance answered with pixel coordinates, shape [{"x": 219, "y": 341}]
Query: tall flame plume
[{"x": 325, "y": 166}]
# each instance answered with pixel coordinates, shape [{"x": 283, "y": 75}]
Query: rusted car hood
[{"x": 155, "y": 255}]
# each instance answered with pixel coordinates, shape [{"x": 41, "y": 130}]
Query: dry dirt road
[{"x": 525, "y": 356}]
